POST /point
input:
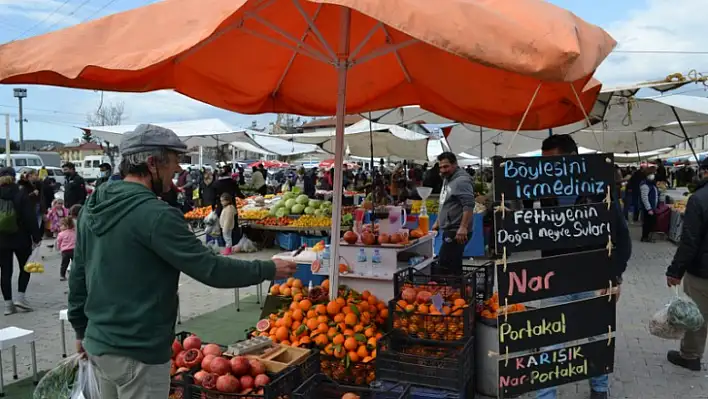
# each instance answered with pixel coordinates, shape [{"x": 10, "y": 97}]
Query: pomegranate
[
  {"x": 173, "y": 368},
  {"x": 409, "y": 295},
  {"x": 199, "y": 376},
  {"x": 261, "y": 380},
  {"x": 368, "y": 239},
  {"x": 350, "y": 237},
  {"x": 247, "y": 382},
  {"x": 192, "y": 342},
  {"x": 220, "y": 366},
  {"x": 192, "y": 358},
  {"x": 209, "y": 381},
  {"x": 176, "y": 348},
  {"x": 423, "y": 297},
  {"x": 256, "y": 367},
  {"x": 240, "y": 366},
  {"x": 396, "y": 238},
  {"x": 207, "y": 362},
  {"x": 211, "y": 349},
  {"x": 179, "y": 360},
  {"x": 227, "y": 383},
  {"x": 384, "y": 238}
]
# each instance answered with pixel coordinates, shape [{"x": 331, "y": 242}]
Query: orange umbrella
[
  {"x": 241, "y": 55},
  {"x": 477, "y": 61}
]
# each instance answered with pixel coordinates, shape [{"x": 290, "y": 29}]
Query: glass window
[
  {"x": 87, "y": 164},
  {"x": 57, "y": 172},
  {"x": 34, "y": 162},
  {"x": 50, "y": 172},
  {"x": 96, "y": 163},
  {"x": 20, "y": 162}
]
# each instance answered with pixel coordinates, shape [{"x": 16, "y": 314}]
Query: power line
[
  {"x": 72, "y": 13},
  {"x": 53, "y": 111},
  {"x": 99, "y": 10},
  {"x": 53, "y": 13},
  {"x": 660, "y": 52}
]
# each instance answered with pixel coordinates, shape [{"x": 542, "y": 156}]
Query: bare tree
[{"x": 105, "y": 114}]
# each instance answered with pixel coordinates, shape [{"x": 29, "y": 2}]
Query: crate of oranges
[
  {"x": 492, "y": 309},
  {"x": 344, "y": 330},
  {"x": 439, "y": 308}
]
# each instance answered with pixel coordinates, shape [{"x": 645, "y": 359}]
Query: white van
[
  {"x": 22, "y": 160},
  {"x": 89, "y": 167}
]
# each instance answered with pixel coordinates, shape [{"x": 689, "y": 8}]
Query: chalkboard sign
[
  {"x": 558, "y": 176},
  {"x": 553, "y": 325},
  {"x": 555, "y": 367},
  {"x": 554, "y": 276},
  {"x": 553, "y": 228}
]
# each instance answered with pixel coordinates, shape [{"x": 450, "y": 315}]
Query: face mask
[
  {"x": 650, "y": 177},
  {"x": 104, "y": 174}
]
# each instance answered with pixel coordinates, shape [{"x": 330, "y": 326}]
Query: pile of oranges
[
  {"x": 492, "y": 309},
  {"x": 417, "y": 316},
  {"x": 198, "y": 213},
  {"x": 293, "y": 287},
  {"x": 345, "y": 329}
]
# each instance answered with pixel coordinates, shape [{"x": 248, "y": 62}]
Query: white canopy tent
[
  {"x": 621, "y": 123},
  {"x": 211, "y": 133},
  {"x": 388, "y": 141}
]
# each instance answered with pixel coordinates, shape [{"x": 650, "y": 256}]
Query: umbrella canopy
[
  {"x": 399, "y": 52},
  {"x": 329, "y": 163},
  {"x": 269, "y": 164}
]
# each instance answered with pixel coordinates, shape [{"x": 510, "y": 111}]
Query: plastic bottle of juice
[{"x": 424, "y": 223}]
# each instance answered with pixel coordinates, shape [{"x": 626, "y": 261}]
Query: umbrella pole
[
  {"x": 371, "y": 165},
  {"x": 636, "y": 142},
  {"x": 481, "y": 154},
  {"x": 342, "y": 68},
  {"x": 683, "y": 130}
]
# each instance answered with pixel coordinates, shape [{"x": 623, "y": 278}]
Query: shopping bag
[
  {"x": 245, "y": 245},
  {"x": 74, "y": 378},
  {"x": 683, "y": 312},
  {"x": 34, "y": 263},
  {"x": 659, "y": 326}
]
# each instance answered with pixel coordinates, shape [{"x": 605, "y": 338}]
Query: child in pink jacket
[{"x": 66, "y": 241}]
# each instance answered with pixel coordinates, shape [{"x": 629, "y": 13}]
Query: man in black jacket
[
  {"x": 690, "y": 264},
  {"x": 74, "y": 187}
]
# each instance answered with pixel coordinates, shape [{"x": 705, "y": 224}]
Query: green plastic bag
[
  {"x": 684, "y": 313},
  {"x": 8, "y": 217}
]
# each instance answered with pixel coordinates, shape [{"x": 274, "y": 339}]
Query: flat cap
[
  {"x": 7, "y": 171},
  {"x": 148, "y": 137}
]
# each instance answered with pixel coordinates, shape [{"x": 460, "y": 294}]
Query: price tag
[{"x": 437, "y": 302}]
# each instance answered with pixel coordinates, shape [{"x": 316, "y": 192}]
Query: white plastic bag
[
  {"x": 245, "y": 245},
  {"x": 659, "y": 326},
  {"x": 86, "y": 385},
  {"x": 74, "y": 378},
  {"x": 211, "y": 219},
  {"x": 684, "y": 313}
]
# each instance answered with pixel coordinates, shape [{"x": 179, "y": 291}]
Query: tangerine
[
  {"x": 384, "y": 314},
  {"x": 340, "y": 301},
  {"x": 350, "y": 344},
  {"x": 460, "y": 302},
  {"x": 332, "y": 308},
  {"x": 350, "y": 319},
  {"x": 371, "y": 342},
  {"x": 290, "y": 282},
  {"x": 353, "y": 357},
  {"x": 339, "y": 318},
  {"x": 321, "y": 309},
  {"x": 339, "y": 352},
  {"x": 297, "y": 315},
  {"x": 297, "y": 283},
  {"x": 338, "y": 339},
  {"x": 365, "y": 295},
  {"x": 275, "y": 289},
  {"x": 322, "y": 319},
  {"x": 305, "y": 305},
  {"x": 423, "y": 309},
  {"x": 311, "y": 324},
  {"x": 325, "y": 285},
  {"x": 285, "y": 291},
  {"x": 362, "y": 352},
  {"x": 369, "y": 332},
  {"x": 322, "y": 328},
  {"x": 281, "y": 334},
  {"x": 297, "y": 297},
  {"x": 321, "y": 340},
  {"x": 311, "y": 314}
]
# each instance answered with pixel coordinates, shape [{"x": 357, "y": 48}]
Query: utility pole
[
  {"x": 8, "y": 160},
  {"x": 20, "y": 94}
]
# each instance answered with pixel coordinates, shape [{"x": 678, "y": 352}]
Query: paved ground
[{"x": 641, "y": 371}]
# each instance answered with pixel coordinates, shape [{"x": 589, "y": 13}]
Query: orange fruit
[
  {"x": 372, "y": 300},
  {"x": 312, "y": 324},
  {"x": 423, "y": 309},
  {"x": 343, "y": 268},
  {"x": 297, "y": 297},
  {"x": 358, "y": 328},
  {"x": 325, "y": 285},
  {"x": 384, "y": 314},
  {"x": 350, "y": 319},
  {"x": 322, "y": 328},
  {"x": 446, "y": 310},
  {"x": 332, "y": 308},
  {"x": 340, "y": 301},
  {"x": 460, "y": 302},
  {"x": 367, "y": 359},
  {"x": 296, "y": 325},
  {"x": 339, "y": 352},
  {"x": 285, "y": 291},
  {"x": 290, "y": 282},
  {"x": 297, "y": 283},
  {"x": 362, "y": 352},
  {"x": 311, "y": 314},
  {"x": 350, "y": 344},
  {"x": 305, "y": 340},
  {"x": 297, "y": 315},
  {"x": 369, "y": 332},
  {"x": 339, "y": 318},
  {"x": 353, "y": 357},
  {"x": 305, "y": 305},
  {"x": 287, "y": 320},
  {"x": 322, "y": 319},
  {"x": 321, "y": 309},
  {"x": 329, "y": 349},
  {"x": 365, "y": 318},
  {"x": 372, "y": 342},
  {"x": 295, "y": 343},
  {"x": 281, "y": 334},
  {"x": 401, "y": 304},
  {"x": 373, "y": 353},
  {"x": 348, "y": 332},
  {"x": 275, "y": 289},
  {"x": 338, "y": 339},
  {"x": 332, "y": 332},
  {"x": 286, "y": 342},
  {"x": 321, "y": 340},
  {"x": 365, "y": 295}
]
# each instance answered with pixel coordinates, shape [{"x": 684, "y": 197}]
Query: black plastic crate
[
  {"x": 449, "y": 287},
  {"x": 436, "y": 364},
  {"x": 418, "y": 392},
  {"x": 484, "y": 282},
  {"x": 320, "y": 386},
  {"x": 343, "y": 371},
  {"x": 456, "y": 325}
]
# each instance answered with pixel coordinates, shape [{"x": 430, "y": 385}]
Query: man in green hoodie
[{"x": 130, "y": 250}]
